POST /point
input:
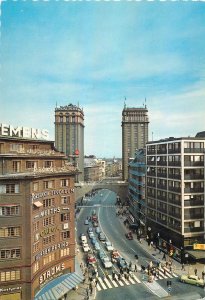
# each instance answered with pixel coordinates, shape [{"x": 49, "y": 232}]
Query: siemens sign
[{"x": 23, "y": 132}]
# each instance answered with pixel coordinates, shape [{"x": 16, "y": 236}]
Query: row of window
[
  {"x": 10, "y": 253},
  {"x": 14, "y": 188},
  {"x": 10, "y": 275},
  {"x": 31, "y": 164}
]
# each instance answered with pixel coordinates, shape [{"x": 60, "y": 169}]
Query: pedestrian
[
  {"x": 91, "y": 288},
  {"x": 87, "y": 292},
  {"x": 164, "y": 271},
  {"x": 203, "y": 274},
  {"x": 183, "y": 267},
  {"x": 113, "y": 275},
  {"x": 164, "y": 257},
  {"x": 195, "y": 272},
  {"x": 167, "y": 264},
  {"x": 130, "y": 264},
  {"x": 119, "y": 276},
  {"x": 135, "y": 268},
  {"x": 96, "y": 281},
  {"x": 84, "y": 279},
  {"x": 121, "y": 270},
  {"x": 170, "y": 268}
]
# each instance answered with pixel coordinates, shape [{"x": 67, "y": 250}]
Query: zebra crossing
[
  {"x": 105, "y": 283},
  {"x": 108, "y": 283}
]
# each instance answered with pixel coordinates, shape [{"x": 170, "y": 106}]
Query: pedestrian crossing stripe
[{"x": 108, "y": 282}]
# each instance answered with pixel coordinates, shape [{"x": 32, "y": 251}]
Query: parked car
[
  {"x": 91, "y": 235},
  {"x": 97, "y": 230},
  {"x": 115, "y": 254},
  {"x": 101, "y": 254},
  {"x": 102, "y": 237},
  {"x": 90, "y": 229},
  {"x": 95, "y": 224},
  {"x": 83, "y": 238},
  {"x": 86, "y": 248},
  {"x": 93, "y": 240},
  {"x": 129, "y": 235},
  {"x": 97, "y": 246},
  {"x": 86, "y": 222},
  {"x": 91, "y": 259},
  {"x": 192, "y": 279},
  {"x": 109, "y": 246}
]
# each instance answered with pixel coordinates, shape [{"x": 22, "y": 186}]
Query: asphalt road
[{"x": 104, "y": 204}]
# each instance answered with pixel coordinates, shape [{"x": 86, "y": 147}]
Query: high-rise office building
[
  {"x": 135, "y": 123},
  {"x": 69, "y": 135},
  {"x": 175, "y": 192}
]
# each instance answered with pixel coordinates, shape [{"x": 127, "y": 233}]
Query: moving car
[
  {"x": 115, "y": 254},
  {"x": 93, "y": 240},
  {"x": 192, "y": 279},
  {"x": 129, "y": 235},
  {"x": 121, "y": 262},
  {"x": 97, "y": 230},
  {"x": 106, "y": 262},
  {"x": 86, "y": 222},
  {"x": 109, "y": 246},
  {"x": 91, "y": 235},
  {"x": 102, "y": 237}
]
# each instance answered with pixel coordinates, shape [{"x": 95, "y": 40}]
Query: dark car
[
  {"x": 129, "y": 235},
  {"x": 121, "y": 262}
]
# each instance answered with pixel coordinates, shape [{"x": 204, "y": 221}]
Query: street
[{"x": 136, "y": 286}]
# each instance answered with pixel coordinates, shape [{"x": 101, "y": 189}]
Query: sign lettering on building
[
  {"x": 51, "y": 193},
  {"x": 48, "y": 230},
  {"x": 49, "y": 211},
  {"x": 13, "y": 289},
  {"x": 23, "y": 132},
  {"x": 51, "y": 249},
  {"x": 51, "y": 272}
]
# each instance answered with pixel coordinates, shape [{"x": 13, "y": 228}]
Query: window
[
  {"x": 31, "y": 164},
  {"x": 12, "y": 210},
  {"x": 9, "y": 188},
  {"x": 48, "y": 258},
  {"x": 48, "y": 202},
  {"x": 65, "y": 234},
  {"x": 36, "y": 247},
  {"x": 65, "y": 200},
  {"x": 16, "y": 166},
  {"x": 49, "y": 239},
  {"x": 65, "y": 252},
  {"x": 48, "y": 184},
  {"x": 36, "y": 226},
  {"x": 48, "y": 164},
  {"x": 10, "y": 231},
  {"x": 49, "y": 221},
  {"x": 10, "y": 275},
  {"x": 65, "y": 217},
  {"x": 10, "y": 253},
  {"x": 35, "y": 267},
  {"x": 16, "y": 147},
  {"x": 35, "y": 186},
  {"x": 64, "y": 182}
]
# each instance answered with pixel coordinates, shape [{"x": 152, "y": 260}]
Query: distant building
[
  {"x": 69, "y": 135},
  {"x": 113, "y": 167},
  {"x": 37, "y": 227},
  {"x": 135, "y": 123},
  {"x": 94, "y": 169},
  {"x": 175, "y": 191},
  {"x": 136, "y": 192}
]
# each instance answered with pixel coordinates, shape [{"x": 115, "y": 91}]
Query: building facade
[
  {"x": 175, "y": 190},
  {"x": 135, "y": 123},
  {"x": 69, "y": 135},
  {"x": 94, "y": 169},
  {"x": 136, "y": 192},
  {"x": 37, "y": 228}
]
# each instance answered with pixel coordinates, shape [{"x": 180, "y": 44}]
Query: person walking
[
  {"x": 203, "y": 274},
  {"x": 195, "y": 272},
  {"x": 183, "y": 267},
  {"x": 91, "y": 288},
  {"x": 135, "y": 268},
  {"x": 164, "y": 257},
  {"x": 87, "y": 292}
]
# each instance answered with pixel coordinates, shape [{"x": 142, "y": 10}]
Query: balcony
[
  {"x": 175, "y": 202},
  {"x": 174, "y": 163},
  {"x": 191, "y": 216},
  {"x": 175, "y": 189},
  {"x": 151, "y": 184},
  {"x": 152, "y": 174},
  {"x": 162, "y": 198},
  {"x": 151, "y": 163},
  {"x": 173, "y": 214},
  {"x": 162, "y": 186},
  {"x": 163, "y": 175},
  {"x": 193, "y": 190},
  {"x": 193, "y": 176},
  {"x": 194, "y": 150},
  {"x": 174, "y": 176},
  {"x": 194, "y": 229},
  {"x": 194, "y": 203},
  {"x": 178, "y": 150},
  {"x": 161, "y": 163},
  {"x": 151, "y": 151},
  {"x": 163, "y": 210},
  {"x": 193, "y": 163},
  {"x": 162, "y": 151},
  {"x": 164, "y": 222}
]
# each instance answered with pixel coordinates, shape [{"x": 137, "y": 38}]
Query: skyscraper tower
[
  {"x": 69, "y": 134},
  {"x": 134, "y": 134}
]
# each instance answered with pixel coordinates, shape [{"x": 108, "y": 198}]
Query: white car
[
  {"x": 109, "y": 246},
  {"x": 86, "y": 248},
  {"x": 91, "y": 235},
  {"x": 106, "y": 262}
]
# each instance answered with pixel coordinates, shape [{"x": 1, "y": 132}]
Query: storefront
[{"x": 13, "y": 293}]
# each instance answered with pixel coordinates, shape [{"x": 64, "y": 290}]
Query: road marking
[
  {"x": 136, "y": 279},
  {"x": 113, "y": 281},
  {"x": 107, "y": 282},
  {"x": 126, "y": 282},
  {"x": 102, "y": 283}
]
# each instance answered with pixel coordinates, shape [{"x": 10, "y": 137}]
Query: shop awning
[{"x": 58, "y": 287}]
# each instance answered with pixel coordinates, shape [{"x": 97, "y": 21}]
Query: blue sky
[{"x": 96, "y": 53}]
